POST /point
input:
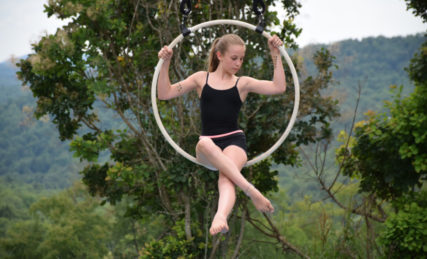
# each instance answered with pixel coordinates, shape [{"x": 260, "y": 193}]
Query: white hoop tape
[{"x": 282, "y": 52}]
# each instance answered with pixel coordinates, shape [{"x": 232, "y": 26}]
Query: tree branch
[
  {"x": 359, "y": 91},
  {"x": 286, "y": 246},
  {"x": 354, "y": 210},
  {"x": 187, "y": 220},
  {"x": 240, "y": 239}
]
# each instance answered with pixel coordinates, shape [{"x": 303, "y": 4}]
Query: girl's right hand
[
  {"x": 274, "y": 43},
  {"x": 165, "y": 53}
]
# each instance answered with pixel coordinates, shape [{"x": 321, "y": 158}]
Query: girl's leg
[
  {"x": 206, "y": 150},
  {"x": 227, "y": 191},
  {"x": 227, "y": 198}
]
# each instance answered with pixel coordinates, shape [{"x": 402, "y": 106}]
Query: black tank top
[{"x": 219, "y": 109}]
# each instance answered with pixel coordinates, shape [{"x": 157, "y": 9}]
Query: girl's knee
[{"x": 205, "y": 145}]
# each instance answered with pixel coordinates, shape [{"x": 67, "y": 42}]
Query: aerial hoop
[{"x": 282, "y": 52}]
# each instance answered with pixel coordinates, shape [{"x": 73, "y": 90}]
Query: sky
[{"x": 23, "y": 22}]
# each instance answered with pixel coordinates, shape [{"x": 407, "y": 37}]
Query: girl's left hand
[{"x": 274, "y": 43}]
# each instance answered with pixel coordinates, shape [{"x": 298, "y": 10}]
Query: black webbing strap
[
  {"x": 259, "y": 8},
  {"x": 185, "y": 8}
]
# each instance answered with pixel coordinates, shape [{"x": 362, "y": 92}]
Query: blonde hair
[{"x": 221, "y": 44}]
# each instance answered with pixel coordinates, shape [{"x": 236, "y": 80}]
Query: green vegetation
[{"x": 137, "y": 202}]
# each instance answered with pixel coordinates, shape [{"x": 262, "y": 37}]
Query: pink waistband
[{"x": 222, "y": 135}]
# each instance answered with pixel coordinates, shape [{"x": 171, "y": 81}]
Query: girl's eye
[{"x": 236, "y": 58}]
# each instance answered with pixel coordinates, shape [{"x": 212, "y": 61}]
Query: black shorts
[{"x": 237, "y": 139}]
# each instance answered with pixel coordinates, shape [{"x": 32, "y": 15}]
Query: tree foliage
[
  {"x": 66, "y": 225},
  {"x": 389, "y": 156},
  {"x": 405, "y": 231},
  {"x": 419, "y": 8}
]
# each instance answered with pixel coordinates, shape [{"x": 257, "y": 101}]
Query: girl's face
[{"x": 232, "y": 59}]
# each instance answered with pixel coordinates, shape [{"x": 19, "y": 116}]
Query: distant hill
[
  {"x": 30, "y": 149},
  {"x": 375, "y": 62},
  {"x": 8, "y": 82}
]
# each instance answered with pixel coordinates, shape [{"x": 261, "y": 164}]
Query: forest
[{"x": 85, "y": 173}]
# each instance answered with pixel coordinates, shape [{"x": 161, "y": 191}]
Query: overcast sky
[{"x": 22, "y": 22}]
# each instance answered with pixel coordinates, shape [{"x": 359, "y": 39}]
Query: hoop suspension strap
[
  {"x": 255, "y": 5},
  {"x": 259, "y": 8},
  {"x": 185, "y": 12}
]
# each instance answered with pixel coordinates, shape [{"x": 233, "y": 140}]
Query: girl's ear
[{"x": 219, "y": 55}]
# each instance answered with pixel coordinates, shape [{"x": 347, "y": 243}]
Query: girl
[{"x": 222, "y": 144}]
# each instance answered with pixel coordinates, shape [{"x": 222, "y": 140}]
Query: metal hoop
[{"x": 282, "y": 52}]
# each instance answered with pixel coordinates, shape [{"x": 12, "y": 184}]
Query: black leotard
[{"x": 219, "y": 109}]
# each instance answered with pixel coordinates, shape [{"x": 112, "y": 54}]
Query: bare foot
[
  {"x": 219, "y": 224},
  {"x": 261, "y": 203}
]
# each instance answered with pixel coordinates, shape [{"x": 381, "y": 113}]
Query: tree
[
  {"x": 390, "y": 153},
  {"x": 67, "y": 225},
  {"x": 389, "y": 156},
  {"x": 405, "y": 231},
  {"x": 104, "y": 57},
  {"x": 419, "y": 8}
]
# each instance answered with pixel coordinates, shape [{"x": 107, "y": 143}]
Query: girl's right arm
[{"x": 166, "y": 90}]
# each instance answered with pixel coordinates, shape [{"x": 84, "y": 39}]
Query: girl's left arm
[{"x": 278, "y": 84}]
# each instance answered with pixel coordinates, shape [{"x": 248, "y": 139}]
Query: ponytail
[
  {"x": 221, "y": 44},
  {"x": 213, "y": 60}
]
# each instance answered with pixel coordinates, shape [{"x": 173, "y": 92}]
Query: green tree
[
  {"x": 405, "y": 231},
  {"x": 22, "y": 240},
  {"x": 389, "y": 156},
  {"x": 67, "y": 225},
  {"x": 418, "y": 7},
  {"x": 390, "y": 153},
  {"x": 106, "y": 54}
]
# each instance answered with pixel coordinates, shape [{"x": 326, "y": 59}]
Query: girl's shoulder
[
  {"x": 245, "y": 80},
  {"x": 200, "y": 74},
  {"x": 199, "y": 77}
]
